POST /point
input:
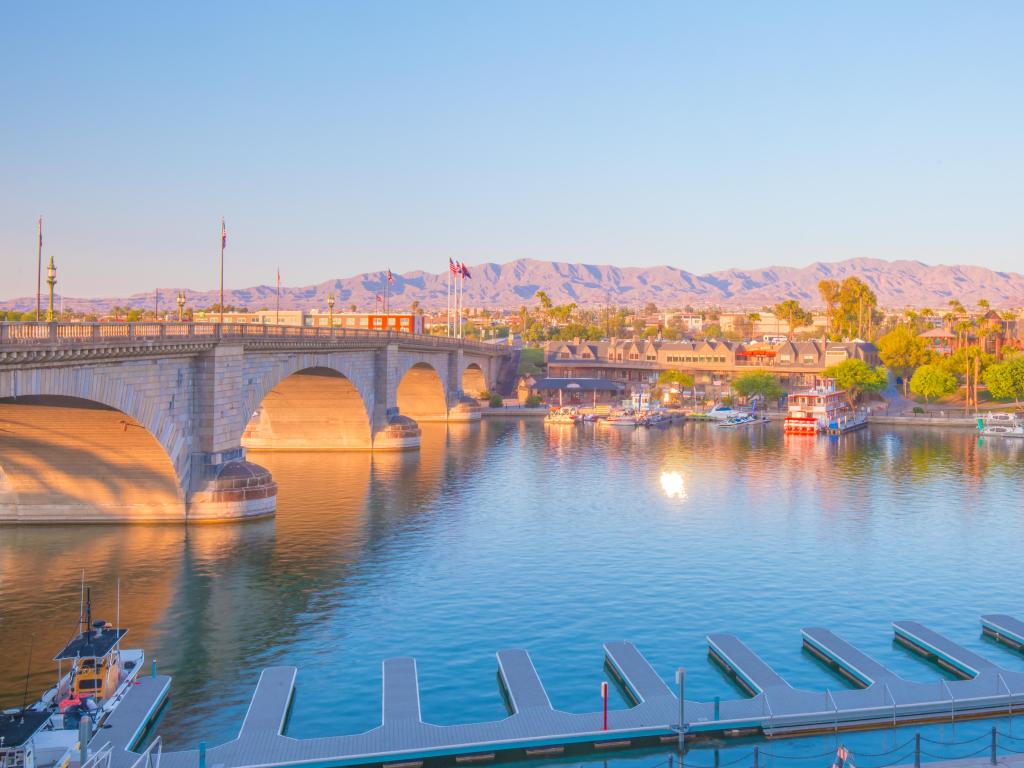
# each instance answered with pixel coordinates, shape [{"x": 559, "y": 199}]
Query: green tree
[
  {"x": 854, "y": 311},
  {"x": 968, "y": 363},
  {"x": 1005, "y": 380},
  {"x": 545, "y": 300},
  {"x": 794, "y": 315},
  {"x": 857, "y": 378},
  {"x": 675, "y": 380},
  {"x": 903, "y": 351},
  {"x": 758, "y": 384},
  {"x": 932, "y": 381},
  {"x": 829, "y": 292}
]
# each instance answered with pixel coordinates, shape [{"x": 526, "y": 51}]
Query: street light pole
[
  {"x": 51, "y": 280},
  {"x": 330, "y": 312},
  {"x": 181, "y": 306}
]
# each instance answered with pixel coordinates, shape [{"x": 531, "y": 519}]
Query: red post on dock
[{"x": 604, "y": 698}]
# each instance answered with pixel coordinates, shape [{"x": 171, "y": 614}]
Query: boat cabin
[
  {"x": 96, "y": 663},
  {"x": 18, "y": 728}
]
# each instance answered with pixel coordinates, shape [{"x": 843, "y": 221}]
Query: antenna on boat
[
  {"x": 81, "y": 599},
  {"x": 88, "y": 609},
  {"x": 28, "y": 673}
]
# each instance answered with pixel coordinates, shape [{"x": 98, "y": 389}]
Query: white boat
[
  {"x": 625, "y": 417},
  {"x": 1001, "y": 425},
  {"x": 46, "y": 734},
  {"x": 722, "y": 412}
]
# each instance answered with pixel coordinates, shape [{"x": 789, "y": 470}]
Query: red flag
[
  {"x": 391, "y": 278},
  {"x": 223, "y": 234},
  {"x": 465, "y": 272},
  {"x": 380, "y": 299}
]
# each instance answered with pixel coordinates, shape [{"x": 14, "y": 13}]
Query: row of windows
[{"x": 695, "y": 359}]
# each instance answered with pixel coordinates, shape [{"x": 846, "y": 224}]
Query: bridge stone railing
[{"x": 25, "y": 336}]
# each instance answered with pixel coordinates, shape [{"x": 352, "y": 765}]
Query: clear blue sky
[{"x": 338, "y": 137}]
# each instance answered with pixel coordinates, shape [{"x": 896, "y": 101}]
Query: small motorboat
[
  {"x": 1001, "y": 425},
  {"x": 743, "y": 420},
  {"x": 566, "y": 415}
]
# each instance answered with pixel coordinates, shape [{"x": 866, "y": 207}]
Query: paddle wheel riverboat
[{"x": 820, "y": 408}]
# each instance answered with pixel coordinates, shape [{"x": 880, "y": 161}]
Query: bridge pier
[{"x": 223, "y": 485}]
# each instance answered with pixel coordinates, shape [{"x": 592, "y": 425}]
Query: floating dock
[{"x": 535, "y": 728}]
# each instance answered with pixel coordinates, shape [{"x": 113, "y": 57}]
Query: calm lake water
[{"x": 553, "y": 539}]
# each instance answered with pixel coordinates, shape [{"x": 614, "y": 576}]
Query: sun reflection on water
[{"x": 673, "y": 485}]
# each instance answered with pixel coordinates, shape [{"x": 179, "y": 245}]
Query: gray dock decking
[{"x": 535, "y": 727}]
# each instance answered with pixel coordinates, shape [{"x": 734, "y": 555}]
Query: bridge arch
[
  {"x": 317, "y": 408},
  {"x": 421, "y": 394},
  {"x": 67, "y": 458},
  {"x": 474, "y": 380}
]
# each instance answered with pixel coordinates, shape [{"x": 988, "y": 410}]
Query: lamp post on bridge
[
  {"x": 330, "y": 312},
  {"x": 181, "y": 306},
  {"x": 51, "y": 280}
]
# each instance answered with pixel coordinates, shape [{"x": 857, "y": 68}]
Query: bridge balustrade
[{"x": 19, "y": 334}]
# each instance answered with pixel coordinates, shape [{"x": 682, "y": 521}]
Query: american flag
[
  {"x": 452, "y": 267},
  {"x": 391, "y": 278},
  {"x": 223, "y": 234}
]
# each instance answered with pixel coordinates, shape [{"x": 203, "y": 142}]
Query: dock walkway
[{"x": 534, "y": 727}]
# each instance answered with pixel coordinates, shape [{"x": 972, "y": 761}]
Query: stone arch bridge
[{"x": 151, "y": 422}]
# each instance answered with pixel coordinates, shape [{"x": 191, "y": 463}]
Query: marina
[{"x": 535, "y": 728}]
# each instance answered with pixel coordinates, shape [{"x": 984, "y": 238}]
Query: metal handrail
[
  {"x": 147, "y": 759},
  {"x": 101, "y": 758}
]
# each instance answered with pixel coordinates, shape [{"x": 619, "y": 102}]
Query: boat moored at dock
[
  {"x": 100, "y": 676},
  {"x": 822, "y": 408},
  {"x": 1001, "y": 425}
]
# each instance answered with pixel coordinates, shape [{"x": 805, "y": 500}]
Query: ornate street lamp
[
  {"x": 51, "y": 280},
  {"x": 181, "y": 306},
  {"x": 330, "y": 311}
]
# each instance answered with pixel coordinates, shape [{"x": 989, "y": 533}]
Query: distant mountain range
[{"x": 896, "y": 283}]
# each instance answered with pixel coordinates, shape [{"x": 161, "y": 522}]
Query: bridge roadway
[
  {"x": 150, "y": 422},
  {"x": 535, "y": 728}
]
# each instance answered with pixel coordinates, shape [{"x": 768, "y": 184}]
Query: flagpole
[
  {"x": 462, "y": 294},
  {"x": 387, "y": 292},
  {"x": 39, "y": 274},
  {"x": 448, "y": 316},
  {"x": 223, "y": 237}
]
